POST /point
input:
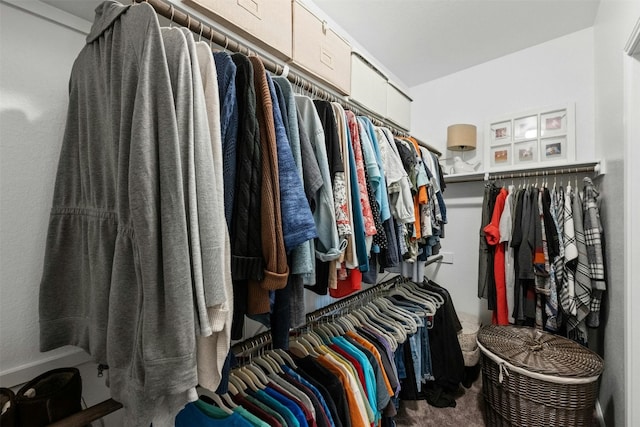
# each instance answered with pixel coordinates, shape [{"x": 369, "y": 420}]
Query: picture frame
[
  {"x": 544, "y": 135},
  {"x": 525, "y": 152},
  {"x": 501, "y": 132},
  {"x": 553, "y": 123},
  {"x": 501, "y": 155},
  {"x": 525, "y": 128},
  {"x": 552, "y": 149}
]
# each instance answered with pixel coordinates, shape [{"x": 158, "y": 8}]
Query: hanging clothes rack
[
  {"x": 208, "y": 33},
  {"x": 258, "y": 341},
  {"x": 252, "y": 344}
]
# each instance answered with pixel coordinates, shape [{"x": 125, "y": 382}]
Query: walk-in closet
[{"x": 319, "y": 213}]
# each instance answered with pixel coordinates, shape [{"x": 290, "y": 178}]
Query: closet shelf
[{"x": 537, "y": 171}]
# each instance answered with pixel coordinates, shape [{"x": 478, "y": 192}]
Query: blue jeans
[
  {"x": 416, "y": 356},
  {"x": 427, "y": 369},
  {"x": 399, "y": 358}
]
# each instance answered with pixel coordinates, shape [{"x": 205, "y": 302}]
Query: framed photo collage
[{"x": 526, "y": 139}]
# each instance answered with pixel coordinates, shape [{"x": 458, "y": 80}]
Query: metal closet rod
[
  {"x": 264, "y": 338},
  {"x": 542, "y": 171},
  {"x": 206, "y": 32},
  {"x": 541, "y": 174}
]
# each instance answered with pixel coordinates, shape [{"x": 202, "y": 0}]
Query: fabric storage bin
[
  {"x": 368, "y": 85},
  {"x": 534, "y": 378},
  {"x": 319, "y": 50},
  {"x": 267, "y": 23},
  {"x": 467, "y": 338},
  {"x": 398, "y": 107}
]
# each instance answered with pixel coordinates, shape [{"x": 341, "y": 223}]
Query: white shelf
[{"x": 532, "y": 171}]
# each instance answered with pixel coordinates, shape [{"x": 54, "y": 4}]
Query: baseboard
[
  {"x": 23, "y": 373},
  {"x": 600, "y": 414}
]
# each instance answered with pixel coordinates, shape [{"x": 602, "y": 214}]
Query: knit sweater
[
  {"x": 301, "y": 256},
  {"x": 246, "y": 260},
  {"x": 226, "y": 74},
  {"x": 297, "y": 222},
  {"x": 211, "y": 350},
  {"x": 276, "y": 269}
]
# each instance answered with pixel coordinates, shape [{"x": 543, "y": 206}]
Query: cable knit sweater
[
  {"x": 276, "y": 270},
  {"x": 246, "y": 260},
  {"x": 226, "y": 75}
]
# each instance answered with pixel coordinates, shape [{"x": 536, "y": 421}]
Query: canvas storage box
[
  {"x": 398, "y": 107},
  {"x": 534, "y": 378},
  {"x": 267, "y": 23},
  {"x": 319, "y": 50},
  {"x": 368, "y": 85}
]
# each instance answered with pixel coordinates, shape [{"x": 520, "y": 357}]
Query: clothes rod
[
  {"x": 208, "y": 33},
  {"x": 539, "y": 172}
]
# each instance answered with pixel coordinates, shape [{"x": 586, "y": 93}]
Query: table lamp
[{"x": 462, "y": 137}]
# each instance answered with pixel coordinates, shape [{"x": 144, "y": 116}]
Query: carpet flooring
[{"x": 469, "y": 410}]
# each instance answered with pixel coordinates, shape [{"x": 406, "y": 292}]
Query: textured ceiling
[{"x": 422, "y": 40}]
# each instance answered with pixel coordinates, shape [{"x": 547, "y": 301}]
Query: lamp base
[{"x": 460, "y": 166}]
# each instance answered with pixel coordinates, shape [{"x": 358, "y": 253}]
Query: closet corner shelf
[{"x": 536, "y": 171}]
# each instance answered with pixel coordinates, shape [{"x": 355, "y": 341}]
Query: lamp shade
[{"x": 461, "y": 137}]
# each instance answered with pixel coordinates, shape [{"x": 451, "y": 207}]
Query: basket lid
[{"x": 540, "y": 352}]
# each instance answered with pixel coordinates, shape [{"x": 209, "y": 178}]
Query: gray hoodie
[{"x": 117, "y": 271}]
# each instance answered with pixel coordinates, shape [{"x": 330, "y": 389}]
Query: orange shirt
[
  {"x": 421, "y": 197},
  {"x": 366, "y": 344}
]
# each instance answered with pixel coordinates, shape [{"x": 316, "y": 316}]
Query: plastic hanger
[
  {"x": 245, "y": 379},
  {"x": 263, "y": 363},
  {"x": 332, "y": 326},
  {"x": 384, "y": 320},
  {"x": 217, "y": 400},
  {"x": 336, "y": 327},
  {"x": 286, "y": 358},
  {"x": 385, "y": 334},
  {"x": 309, "y": 345},
  {"x": 258, "y": 377},
  {"x": 406, "y": 313},
  {"x": 298, "y": 349},
  {"x": 346, "y": 323},
  {"x": 274, "y": 360},
  {"x": 323, "y": 333},
  {"x": 405, "y": 319}
]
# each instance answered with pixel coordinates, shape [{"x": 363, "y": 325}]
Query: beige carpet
[{"x": 469, "y": 410}]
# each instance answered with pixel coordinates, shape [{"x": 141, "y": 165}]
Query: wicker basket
[{"x": 533, "y": 378}]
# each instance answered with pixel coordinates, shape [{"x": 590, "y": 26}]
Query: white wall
[
  {"x": 36, "y": 56},
  {"x": 33, "y": 81},
  {"x": 614, "y": 24},
  {"x": 553, "y": 73}
]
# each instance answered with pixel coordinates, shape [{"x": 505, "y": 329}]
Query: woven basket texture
[
  {"x": 521, "y": 400},
  {"x": 540, "y": 352}
]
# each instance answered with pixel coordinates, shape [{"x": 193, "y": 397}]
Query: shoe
[
  {"x": 49, "y": 397},
  {"x": 8, "y": 408}
]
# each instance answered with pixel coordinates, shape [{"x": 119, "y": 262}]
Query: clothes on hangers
[
  {"x": 210, "y": 193},
  {"x": 551, "y": 278}
]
